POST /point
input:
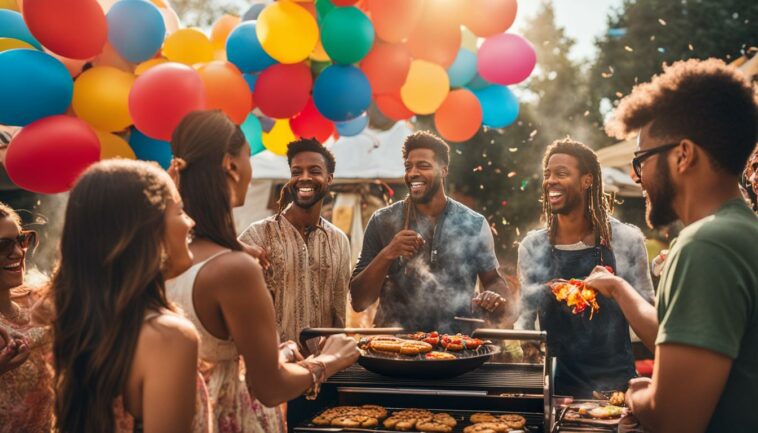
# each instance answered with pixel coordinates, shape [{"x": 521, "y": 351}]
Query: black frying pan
[{"x": 419, "y": 367}]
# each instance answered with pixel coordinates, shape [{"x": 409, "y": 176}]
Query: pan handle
[
  {"x": 308, "y": 333},
  {"x": 509, "y": 334}
]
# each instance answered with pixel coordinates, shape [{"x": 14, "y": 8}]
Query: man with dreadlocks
[
  {"x": 309, "y": 257},
  {"x": 580, "y": 234}
]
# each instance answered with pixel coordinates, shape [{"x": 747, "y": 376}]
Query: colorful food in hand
[{"x": 576, "y": 295}]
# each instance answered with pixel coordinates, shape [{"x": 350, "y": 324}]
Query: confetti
[
  {"x": 524, "y": 183},
  {"x": 503, "y": 203},
  {"x": 690, "y": 47},
  {"x": 481, "y": 186},
  {"x": 477, "y": 168},
  {"x": 628, "y": 48},
  {"x": 511, "y": 174},
  {"x": 586, "y": 113},
  {"x": 662, "y": 21},
  {"x": 513, "y": 149}
]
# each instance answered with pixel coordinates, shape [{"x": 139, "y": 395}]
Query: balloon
[
  {"x": 145, "y": 66},
  {"x": 113, "y": 146},
  {"x": 150, "y": 149},
  {"x": 343, "y": 3},
  {"x": 392, "y": 107},
  {"x": 49, "y": 154},
  {"x": 279, "y": 137},
  {"x": 318, "y": 67},
  {"x": 506, "y": 59},
  {"x": 352, "y": 127},
  {"x": 245, "y": 51},
  {"x": 110, "y": 57},
  {"x": 9, "y": 4},
  {"x": 386, "y": 66},
  {"x": 222, "y": 28},
  {"x": 287, "y": 32},
  {"x": 499, "y": 106},
  {"x": 74, "y": 66},
  {"x": 251, "y": 14},
  {"x": 341, "y": 92},
  {"x": 309, "y": 123},
  {"x": 101, "y": 97},
  {"x": 425, "y": 88},
  {"x": 33, "y": 85},
  {"x": 347, "y": 35},
  {"x": 188, "y": 46},
  {"x": 226, "y": 89},
  {"x": 489, "y": 17},
  {"x": 52, "y": 23},
  {"x": 11, "y": 44},
  {"x": 477, "y": 83},
  {"x": 281, "y": 91},
  {"x": 12, "y": 25},
  {"x": 162, "y": 96},
  {"x": 435, "y": 42},
  {"x": 323, "y": 7},
  {"x": 394, "y": 19},
  {"x": 170, "y": 20},
  {"x": 459, "y": 116},
  {"x": 251, "y": 128},
  {"x": 135, "y": 29},
  {"x": 250, "y": 79},
  {"x": 463, "y": 68}
]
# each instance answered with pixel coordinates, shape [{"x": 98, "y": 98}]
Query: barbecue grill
[{"x": 520, "y": 388}]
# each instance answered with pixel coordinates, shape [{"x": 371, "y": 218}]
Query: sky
[{"x": 584, "y": 20}]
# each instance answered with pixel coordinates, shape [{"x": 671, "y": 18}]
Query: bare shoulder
[
  {"x": 170, "y": 331},
  {"x": 230, "y": 267}
]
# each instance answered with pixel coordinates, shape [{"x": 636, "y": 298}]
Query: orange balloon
[
  {"x": 425, "y": 88},
  {"x": 386, "y": 66},
  {"x": 459, "y": 116},
  {"x": 435, "y": 42},
  {"x": 392, "y": 106},
  {"x": 489, "y": 17},
  {"x": 113, "y": 146},
  {"x": 188, "y": 46},
  {"x": 221, "y": 30},
  {"x": 147, "y": 64},
  {"x": 394, "y": 19},
  {"x": 226, "y": 89}
]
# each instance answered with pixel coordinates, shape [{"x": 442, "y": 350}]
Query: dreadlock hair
[
  {"x": 599, "y": 204},
  {"x": 299, "y": 146}
]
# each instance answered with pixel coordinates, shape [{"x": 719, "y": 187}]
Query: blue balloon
[
  {"x": 135, "y": 29},
  {"x": 341, "y": 92},
  {"x": 253, "y": 132},
  {"x": 33, "y": 85},
  {"x": 244, "y": 49},
  {"x": 352, "y": 127},
  {"x": 12, "y": 25},
  {"x": 150, "y": 149},
  {"x": 499, "y": 106},
  {"x": 250, "y": 79},
  {"x": 251, "y": 14},
  {"x": 463, "y": 68}
]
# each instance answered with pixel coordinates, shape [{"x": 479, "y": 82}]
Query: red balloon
[
  {"x": 459, "y": 116},
  {"x": 489, "y": 17},
  {"x": 76, "y": 29},
  {"x": 162, "y": 96},
  {"x": 282, "y": 91},
  {"x": 435, "y": 42},
  {"x": 386, "y": 66},
  {"x": 309, "y": 123},
  {"x": 392, "y": 106},
  {"x": 49, "y": 154},
  {"x": 226, "y": 89},
  {"x": 394, "y": 19},
  {"x": 344, "y": 2}
]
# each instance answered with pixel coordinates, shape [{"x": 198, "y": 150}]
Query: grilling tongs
[{"x": 308, "y": 333}]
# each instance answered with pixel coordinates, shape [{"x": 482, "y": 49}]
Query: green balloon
[
  {"x": 323, "y": 7},
  {"x": 253, "y": 132},
  {"x": 347, "y": 35}
]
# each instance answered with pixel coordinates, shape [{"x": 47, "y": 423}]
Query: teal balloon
[
  {"x": 150, "y": 149},
  {"x": 33, "y": 85},
  {"x": 347, "y": 35},
  {"x": 477, "y": 83},
  {"x": 12, "y": 25},
  {"x": 323, "y": 7},
  {"x": 352, "y": 127},
  {"x": 253, "y": 132},
  {"x": 463, "y": 69},
  {"x": 499, "y": 106}
]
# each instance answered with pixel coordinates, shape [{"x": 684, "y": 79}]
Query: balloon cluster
[{"x": 118, "y": 82}]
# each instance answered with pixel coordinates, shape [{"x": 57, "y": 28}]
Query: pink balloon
[{"x": 506, "y": 59}]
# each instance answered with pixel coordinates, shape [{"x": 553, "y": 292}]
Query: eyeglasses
[
  {"x": 25, "y": 239},
  {"x": 642, "y": 155}
]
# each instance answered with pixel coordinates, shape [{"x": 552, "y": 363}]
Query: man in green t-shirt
[{"x": 697, "y": 127}]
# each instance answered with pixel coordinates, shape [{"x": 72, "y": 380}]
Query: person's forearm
[
  {"x": 289, "y": 382},
  {"x": 641, "y": 316},
  {"x": 642, "y": 402},
  {"x": 367, "y": 285}
]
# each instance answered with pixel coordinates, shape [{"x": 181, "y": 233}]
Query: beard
[
  {"x": 571, "y": 202},
  {"x": 434, "y": 186},
  {"x": 318, "y": 195},
  {"x": 658, "y": 200}
]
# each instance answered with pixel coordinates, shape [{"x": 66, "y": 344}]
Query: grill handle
[
  {"x": 308, "y": 333},
  {"x": 509, "y": 334}
]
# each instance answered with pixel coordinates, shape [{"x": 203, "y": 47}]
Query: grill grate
[{"x": 491, "y": 377}]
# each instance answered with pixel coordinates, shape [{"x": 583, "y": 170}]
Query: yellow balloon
[
  {"x": 9, "y": 4},
  {"x": 221, "y": 30},
  {"x": 147, "y": 64},
  {"x": 279, "y": 137},
  {"x": 287, "y": 32},
  {"x": 113, "y": 146},
  {"x": 101, "y": 98},
  {"x": 425, "y": 88},
  {"x": 11, "y": 43},
  {"x": 188, "y": 46},
  {"x": 319, "y": 54}
]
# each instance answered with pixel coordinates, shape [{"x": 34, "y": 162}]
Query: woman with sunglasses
[{"x": 25, "y": 395}]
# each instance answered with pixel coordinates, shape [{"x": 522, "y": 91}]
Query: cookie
[
  {"x": 513, "y": 421},
  {"x": 372, "y": 410},
  {"x": 354, "y": 421},
  {"x": 483, "y": 417},
  {"x": 487, "y": 427}
]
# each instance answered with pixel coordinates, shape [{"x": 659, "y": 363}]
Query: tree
[{"x": 203, "y": 13}]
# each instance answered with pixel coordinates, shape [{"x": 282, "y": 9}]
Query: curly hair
[
  {"x": 427, "y": 140},
  {"x": 311, "y": 145},
  {"x": 705, "y": 101}
]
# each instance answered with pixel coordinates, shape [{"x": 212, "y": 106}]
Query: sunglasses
[
  {"x": 24, "y": 240},
  {"x": 642, "y": 155}
]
